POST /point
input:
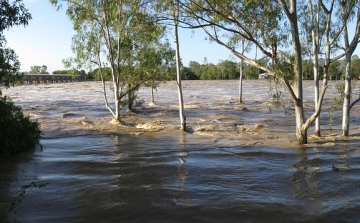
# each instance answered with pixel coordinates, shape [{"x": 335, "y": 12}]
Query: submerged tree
[
  {"x": 110, "y": 34},
  {"x": 270, "y": 26},
  {"x": 169, "y": 13},
  {"x": 348, "y": 9}
]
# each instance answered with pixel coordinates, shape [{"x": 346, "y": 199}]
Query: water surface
[{"x": 172, "y": 177}]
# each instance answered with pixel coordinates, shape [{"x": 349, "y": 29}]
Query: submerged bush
[{"x": 17, "y": 132}]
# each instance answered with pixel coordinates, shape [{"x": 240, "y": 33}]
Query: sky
[{"x": 47, "y": 40}]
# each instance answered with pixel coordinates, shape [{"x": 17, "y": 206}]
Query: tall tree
[
  {"x": 266, "y": 24},
  {"x": 155, "y": 61},
  {"x": 314, "y": 17},
  {"x": 176, "y": 16},
  {"x": 35, "y": 69},
  {"x": 245, "y": 46},
  {"x": 348, "y": 9},
  {"x": 110, "y": 34}
]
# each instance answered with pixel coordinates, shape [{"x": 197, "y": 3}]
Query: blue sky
[{"x": 47, "y": 40}]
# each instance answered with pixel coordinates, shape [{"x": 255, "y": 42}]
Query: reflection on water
[{"x": 172, "y": 177}]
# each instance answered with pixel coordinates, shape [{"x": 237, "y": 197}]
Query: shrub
[{"x": 17, "y": 132}]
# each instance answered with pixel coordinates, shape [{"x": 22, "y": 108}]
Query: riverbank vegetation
[{"x": 17, "y": 132}]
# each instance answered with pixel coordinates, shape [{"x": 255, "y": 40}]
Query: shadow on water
[{"x": 178, "y": 177}]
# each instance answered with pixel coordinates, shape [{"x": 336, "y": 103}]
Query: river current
[{"x": 169, "y": 176}]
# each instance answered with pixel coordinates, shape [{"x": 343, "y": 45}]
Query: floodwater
[{"x": 170, "y": 176}]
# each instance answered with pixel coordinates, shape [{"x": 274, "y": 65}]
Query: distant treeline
[{"x": 224, "y": 70}]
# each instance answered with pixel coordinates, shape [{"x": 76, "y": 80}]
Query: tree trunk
[
  {"x": 347, "y": 97},
  {"x": 351, "y": 48},
  {"x": 241, "y": 72},
  {"x": 241, "y": 81},
  {"x": 178, "y": 74},
  {"x": 347, "y": 90},
  {"x": 301, "y": 133},
  {"x": 130, "y": 100},
  {"x": 315, "y": 51},
  {"x": 117, "y": 102},
  {"x": 297, "y": 88},
  {"x": 152, "y": 95},
  {"x": 301, "y": 136}
]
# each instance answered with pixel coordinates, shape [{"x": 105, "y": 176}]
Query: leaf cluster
[
  {"x": 12, "y": 14},
  {"x": 9, "y": 67},
  {"x": 17, "y": 132}
]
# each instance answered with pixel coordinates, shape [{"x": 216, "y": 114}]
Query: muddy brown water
[{"x": 169, "y": 176}]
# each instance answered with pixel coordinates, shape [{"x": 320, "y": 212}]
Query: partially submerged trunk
[
  {"x": 241, "y": 81},
  {"x": 152, "y": 101},
  {"x": 350, "y": 50},
  {"x": 315, "y": 52},
  {"x": 347, "y": 97},
  {"x": 178, "y": 74},
  {"x": 296, "y": 90},
  {"x": 130, "y": 99},
  {"x": 117, "y": 101},
  {"x": 116, "y": 90},
  {"x": 241, "y": 72}
]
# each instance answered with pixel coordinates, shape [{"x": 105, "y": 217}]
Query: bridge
[{"x": 49, "y": 78}]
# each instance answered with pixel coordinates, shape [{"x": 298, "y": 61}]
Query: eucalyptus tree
[
  {"x": 266, "y": 24},
  {"x": 169, "y": 10},
  {"x": 348, "y": 10},
  {"x": 155, "y": 61},
  {"x": 176, "y": 16},
  {"x": 311, "y": 22},
  {"x": 38, "y": 69},
  {"x": 110, "y": 33},
  {"x": 245, "y": 47}
]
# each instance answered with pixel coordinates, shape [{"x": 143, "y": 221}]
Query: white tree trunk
[
  {"x": 178, "y": 74},
  {"x": 152, "y": 96},
  {"x": 117, "y": 101},
  {"x": 315, "y": 52},
  {"x": 241, "y": 80},
  {"x": 347, "y": 97},
  {"x": 241, "y": 71}
]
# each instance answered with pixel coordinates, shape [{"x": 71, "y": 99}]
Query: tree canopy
[{"x": 11, "y": 14}]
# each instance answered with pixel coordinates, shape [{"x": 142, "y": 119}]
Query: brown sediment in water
[{"x": 214, "y": 115}]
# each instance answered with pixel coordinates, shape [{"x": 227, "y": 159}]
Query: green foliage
[
  {"x": 38, "y": 69},
  {"x": 276, "y": 95},
  {"x": 17, "y": 132},
  {"x": 96, "y": 74},
  {"x": 355, "y": 67},
  {"x": 60, "y": 72},
  {"x": 334, "y": 71},
  {"x": 228, "y": 69},
  {"x": 224, "y": 70},
  {"x": 188, "y": 74},
  {"x": 9, "y": 67},
  {"x": 115, "y": 34},
  {"x": 12, "y": 14}
]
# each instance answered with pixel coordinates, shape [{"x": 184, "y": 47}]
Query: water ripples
[{"x": 167, "y": 177}]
